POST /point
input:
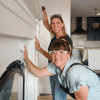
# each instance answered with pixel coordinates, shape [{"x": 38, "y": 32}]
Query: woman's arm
[
  {"x": 46, "y": 54},
  {"x": 46, "y": 21},
  {"x": 82, "y": 94},
  {"x": 40, "y": 72}
]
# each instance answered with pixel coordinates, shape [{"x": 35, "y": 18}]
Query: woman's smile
[
  {"x": 60, "y": 58},
  {"x": 56, "y": 60},
  {"x": 55, "y": 28},
  {"x": 56, "y": 25}
]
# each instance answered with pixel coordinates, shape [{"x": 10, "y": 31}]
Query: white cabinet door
[{"x": 94, "y": 59}]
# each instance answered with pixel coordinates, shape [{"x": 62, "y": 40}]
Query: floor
[
  {"x": 49, "y": 97},
  {"x": 14, "y": 96}
]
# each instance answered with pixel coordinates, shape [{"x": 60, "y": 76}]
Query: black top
[{"x": 52, "y": 40}]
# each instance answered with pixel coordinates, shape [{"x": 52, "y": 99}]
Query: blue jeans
[{"x": 57, "y": 93}]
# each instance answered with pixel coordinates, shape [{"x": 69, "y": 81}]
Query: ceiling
[
  {"x": 84, "y": 8},
  {"x": 55, "y": 6},
  {"x": 79, "y": 8}
]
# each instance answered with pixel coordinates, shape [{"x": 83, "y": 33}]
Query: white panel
[
  {"x": 20, "y": 10},
  {"x": 94, "y": 58},
  {"x": 9, "y": 51},
  {"x": 31, "y": 88},
  {"x": 16, "y": 19},
  {"x": 14, "y": 26},
  {"x": 34, "y": 7}
]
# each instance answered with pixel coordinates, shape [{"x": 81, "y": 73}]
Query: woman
[
  {"x": 57, "y": 29},
  {"x": 81, "y": 81}
]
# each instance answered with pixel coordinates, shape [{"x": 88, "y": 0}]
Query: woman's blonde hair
[{"x": 63, "y": 28}]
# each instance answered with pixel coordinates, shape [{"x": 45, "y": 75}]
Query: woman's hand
[
  {"x": 45, "y": 20},
  {"x": 43, "y": 9},
  {"x": 25, "y": 54},
  {"x": 37, "y": 44}
]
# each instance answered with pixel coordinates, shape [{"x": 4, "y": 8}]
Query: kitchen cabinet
[
  {"x": 94, "y": 58},
  {"x": 93, "y": 33}
]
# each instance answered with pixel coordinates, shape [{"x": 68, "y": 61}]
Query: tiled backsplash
[{"x": 81, "y": 41}]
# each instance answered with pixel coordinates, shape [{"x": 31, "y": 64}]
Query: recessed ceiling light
[{"x": 98, "y": 13}]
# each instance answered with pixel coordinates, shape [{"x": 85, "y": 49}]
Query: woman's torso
[{"x": 78, "y": 75}]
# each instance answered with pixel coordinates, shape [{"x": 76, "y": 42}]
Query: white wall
[
  {"x": 52, "y": 7},
  {"x": 44, "y": 38},
  {"x": 10, "y": 51}
]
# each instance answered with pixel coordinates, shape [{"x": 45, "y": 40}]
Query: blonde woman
[{"x": 57, "y": 29}]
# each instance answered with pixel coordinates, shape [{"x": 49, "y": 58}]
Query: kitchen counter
[{"x": 86, "y": 47}]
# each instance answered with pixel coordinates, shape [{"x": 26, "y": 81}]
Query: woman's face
[
  {"x": 60, "y": 58},
  {"x": 56, "y": 25}
]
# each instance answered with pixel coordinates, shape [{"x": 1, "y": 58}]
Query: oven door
[{"x": 12, "y": 82}]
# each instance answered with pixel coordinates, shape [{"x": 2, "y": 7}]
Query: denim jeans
[{"x": 57, "y": 92}]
